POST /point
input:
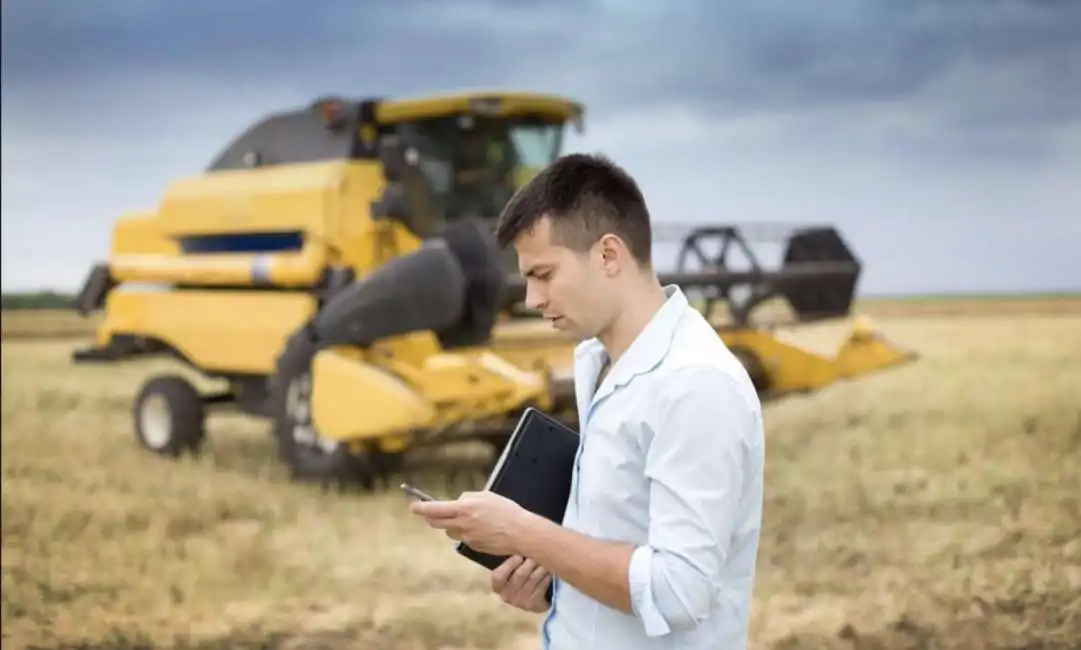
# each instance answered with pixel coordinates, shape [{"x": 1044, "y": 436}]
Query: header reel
[
  {"x": 816, "y": 275},
  {"x": 718, "y": 266}
]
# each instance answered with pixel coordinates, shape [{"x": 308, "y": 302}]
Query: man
[{"x": 660, "y": 537}]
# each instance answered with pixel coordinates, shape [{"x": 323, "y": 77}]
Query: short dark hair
[{"x": 585, "y": 196}]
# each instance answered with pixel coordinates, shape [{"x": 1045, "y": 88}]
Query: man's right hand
[{"x": 522, "y": 583}]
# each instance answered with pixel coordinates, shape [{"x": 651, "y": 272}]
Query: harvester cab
[{"x": 335, "y": 268}]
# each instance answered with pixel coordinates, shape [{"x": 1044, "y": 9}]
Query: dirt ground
[{"x": 933, "y": 506}]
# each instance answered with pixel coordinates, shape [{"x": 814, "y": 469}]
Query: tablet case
[{"x": 534, "y": 471}]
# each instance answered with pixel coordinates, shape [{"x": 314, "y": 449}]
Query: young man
[{"x": 660, "y": 538}]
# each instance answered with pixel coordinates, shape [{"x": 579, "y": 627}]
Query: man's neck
[{"x": 643, "y": 302}]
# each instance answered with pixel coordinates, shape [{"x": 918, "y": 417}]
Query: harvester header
[{"x": 723, "y": 267}]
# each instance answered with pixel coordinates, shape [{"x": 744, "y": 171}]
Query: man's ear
[{"x": 612, "y": 253}]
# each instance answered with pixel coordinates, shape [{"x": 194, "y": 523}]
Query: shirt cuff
[{"x": 641, "y": 589}]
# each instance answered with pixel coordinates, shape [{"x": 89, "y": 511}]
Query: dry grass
[{"x": 937, "y": 506}]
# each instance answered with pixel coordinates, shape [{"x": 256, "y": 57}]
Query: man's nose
[{"x": 535, "y": 298}]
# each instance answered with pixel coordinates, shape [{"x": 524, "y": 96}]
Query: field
[
  {"x": 934, "y": 506},
  {"x": 55, "y": 323}
]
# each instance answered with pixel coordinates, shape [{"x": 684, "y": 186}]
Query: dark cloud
[
  {"x": 978, "y": 64},
  {"x": 771, "y": 55},
  {"x": 349, "y": 44},
  {"x": 961, "y": 114},
  {"x": 58, "y": 39}
]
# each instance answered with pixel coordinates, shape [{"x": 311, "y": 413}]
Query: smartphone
[{"x": 417, "y": 492}]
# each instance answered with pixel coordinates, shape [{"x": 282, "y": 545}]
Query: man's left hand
[{"x": 486, "y": 521}]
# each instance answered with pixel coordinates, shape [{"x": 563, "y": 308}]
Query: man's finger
[
  {"x": 540, "y": 599},
  {"x": 536, "y": 577},
  {"x": 537, "y": 591},
  {"x": 520, "y": 577},
  {"x": 436, "y": 509},
  {"x": 502, "y": 573},
  {"x": 443, "y": 523}
]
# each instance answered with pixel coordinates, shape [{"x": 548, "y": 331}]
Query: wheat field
[{"x": 933, "y": 506}]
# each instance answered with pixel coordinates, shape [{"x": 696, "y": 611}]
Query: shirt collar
[{"x": 650, "y": 346}]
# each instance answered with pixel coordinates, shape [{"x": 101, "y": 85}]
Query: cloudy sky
[{"x": 943, "y": 138}]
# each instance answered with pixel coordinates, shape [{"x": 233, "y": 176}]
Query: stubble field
[{"x": 934, "y": 506}]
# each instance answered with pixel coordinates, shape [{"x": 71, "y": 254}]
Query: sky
[{"x": 943, "y": 138}]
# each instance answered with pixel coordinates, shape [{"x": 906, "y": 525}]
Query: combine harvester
[{"x": 335, "y": 266}]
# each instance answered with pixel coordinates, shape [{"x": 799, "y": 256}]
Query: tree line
[{"x": 36, "y": 300}]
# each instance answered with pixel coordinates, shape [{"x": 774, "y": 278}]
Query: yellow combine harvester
[{"x": 335, "y": 265}]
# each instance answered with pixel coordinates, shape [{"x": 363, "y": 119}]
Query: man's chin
[
  {"x": 563, "y": 326},
  {"x": 560, "y": 324}
]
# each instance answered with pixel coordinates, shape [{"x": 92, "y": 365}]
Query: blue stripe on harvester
[{"x": 243, "y": 242}]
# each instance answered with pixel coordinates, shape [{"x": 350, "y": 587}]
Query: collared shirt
[{"x": 671, "y": 460}]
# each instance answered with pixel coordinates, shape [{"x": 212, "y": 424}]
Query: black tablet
[{"x": 534, "y": 471}]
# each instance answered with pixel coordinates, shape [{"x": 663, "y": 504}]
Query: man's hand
[
  {"x": 486, "y": 521},
  {"x": 493, "y": 524},
  {"x": 522, "y": 583}
]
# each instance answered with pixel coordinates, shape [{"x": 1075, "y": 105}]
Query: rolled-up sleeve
[{"x": 695, "y": 466}]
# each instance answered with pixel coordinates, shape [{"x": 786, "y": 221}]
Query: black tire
[
  {"x": 753, "y": 365},
  {"x": 308, "y": 457},
  {"x": 169, "y": 416}
]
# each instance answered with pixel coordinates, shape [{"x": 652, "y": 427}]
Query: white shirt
[{"x": 670, "y": 459}]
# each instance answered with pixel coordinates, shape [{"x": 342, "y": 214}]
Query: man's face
[{"x": 569, "y": 288}]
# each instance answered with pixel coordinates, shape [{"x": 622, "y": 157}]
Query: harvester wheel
[
  {"x": 753, "y": 365},
  {"x": 169, "y": 416},
  {"x": 308, "y": 455}
]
